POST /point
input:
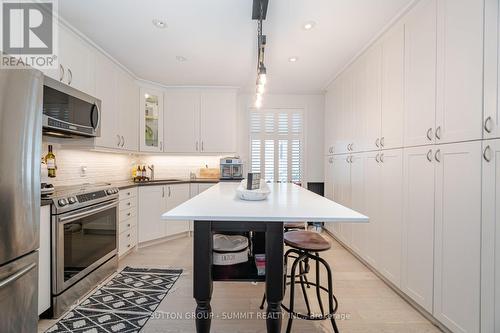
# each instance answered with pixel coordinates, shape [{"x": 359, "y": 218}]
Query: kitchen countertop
[
  {"x": 287, "y": 202},
  {"x": 122, "y": 185}
]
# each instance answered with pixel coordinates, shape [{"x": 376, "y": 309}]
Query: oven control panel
[{"x": 86, "y": 197}]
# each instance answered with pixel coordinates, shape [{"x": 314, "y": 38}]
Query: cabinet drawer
[
  {"x": 127, "y": 225},
  {"x": 128, "y": 193},
  {"x": 127, "y": 241},
  {"x": 128, "y": 213},
  {"x": 128, "y": 204}
]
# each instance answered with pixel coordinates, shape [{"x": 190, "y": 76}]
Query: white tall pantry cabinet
[{"x": 408, "y": 149}]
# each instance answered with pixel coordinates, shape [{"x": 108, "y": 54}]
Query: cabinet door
[
  {"x": 418, "y": 225},
  {"x": 152, "y": 204},
  {"x": 372, "y": 208},
  {"x": 458, "y": 236},
  {"x": 329, "y": 186},
  {"x": 360, "y": 111},
  {"x": 342, "y": 193},
  {"x": 330, "y": 119},
  {"x": 345, "y": 120},
  {"x": 78, "y": 61},
  {"x": 128, "y": 102},
  {"x": 176, "y": 194},
  {"x": 392, "y": 88},
  {"x": 151, "y": 120},
  {"x": 106, "y": 91},
  {"x": 373, "y": 96},
  {"x": 182, "y": 114},
  {"x": 218, "y": 121},
  {"x": 491, "y": 122},
  {"x": 391, "y": 214},
  {"x": 420, "y": 74},
  {"x": 490, "y": 252},
  {"x": 358, "y": 202},
  {"x": 44, "y": 254},
  {"x": 460, "y": 70}
]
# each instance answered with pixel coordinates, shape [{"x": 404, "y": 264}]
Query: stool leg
[
  {"x": 330, "y": 293},
  {"x": 263, "y": 301},
  {"x": 306, "y": 262},
  {"x": 318, "y": 292},
  {"x": 292, "y": 291},
  {"x": 301, "y": 278}
]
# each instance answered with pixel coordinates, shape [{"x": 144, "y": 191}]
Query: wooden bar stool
[
  {"x": 289, "y": 226},
  {"x": 306, "y": 245}
]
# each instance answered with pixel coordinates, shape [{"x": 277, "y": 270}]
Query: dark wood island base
[{"x": 204, "y": 275}]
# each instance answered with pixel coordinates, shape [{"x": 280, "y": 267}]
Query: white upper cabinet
[
  {"x": 490, "y": 251},
  {"x": 151, "y": 120},
  {"x": 420, "y": 74},
  {"x": 460, "y": 70},
  {"x": 392, "y": 88},
  {"x": 417, "y": 272},
  {"x": 218, "y": 121},
  {"x": 128, "y": 104},
  {"x": 457, "y": 256},
  {"x": 330, "y": 112},
  {"x": 373, "y": 103},
  {"x": 491, "y": 121},
  {"x": 345, "y": 114},
  {"x": 182, "y": 114}
]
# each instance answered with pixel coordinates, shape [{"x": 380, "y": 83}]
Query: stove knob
[
  {"x": 117, "y": 190},
  {"x": 62, "y": 202},
  {"x": 71, "y": 200},
  {"x": 109, "y": 192}
]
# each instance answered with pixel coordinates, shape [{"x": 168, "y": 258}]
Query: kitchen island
[{"x": 220, "y": 210}]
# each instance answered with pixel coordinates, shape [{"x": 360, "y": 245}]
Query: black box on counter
[{"x": 253, "y": 181}]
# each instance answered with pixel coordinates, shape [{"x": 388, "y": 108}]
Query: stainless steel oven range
[{"x": 84, "y": 241}]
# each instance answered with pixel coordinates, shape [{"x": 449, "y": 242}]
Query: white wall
[{"x": 313, "y": 106}]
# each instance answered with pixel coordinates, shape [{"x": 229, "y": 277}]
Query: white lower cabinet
[
  {"x": 153, "y": 202},
  {"x": 490, "y": 252},
  {"x": 342, "y": 194},
  {"x": 329, "y": 186},
  {"x": 44, "y": 299},
  {"x": 457, "y": 245},
  {"x": 372, "y": 208},
  {"x": 127, "y": 221},
  {"x": 417, "y": 271},
  {"x": 358, "y": 240}
]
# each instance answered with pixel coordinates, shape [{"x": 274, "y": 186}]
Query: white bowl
[{"x": 253, "y": 195}]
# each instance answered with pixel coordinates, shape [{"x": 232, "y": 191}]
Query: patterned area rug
[{"x": 123, "y": 304}]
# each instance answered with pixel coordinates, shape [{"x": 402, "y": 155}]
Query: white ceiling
[{"x": 218, "y": 38}]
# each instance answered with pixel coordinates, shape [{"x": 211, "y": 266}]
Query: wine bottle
[{"x": 50, "y": 160}]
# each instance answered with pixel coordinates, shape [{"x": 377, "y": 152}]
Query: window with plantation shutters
[{"x": 276, "y": 144}]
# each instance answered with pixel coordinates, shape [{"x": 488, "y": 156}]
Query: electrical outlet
[{"x": 83, "y": 171}]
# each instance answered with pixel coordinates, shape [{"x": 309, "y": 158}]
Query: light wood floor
[{"x": 366, "y": 303}]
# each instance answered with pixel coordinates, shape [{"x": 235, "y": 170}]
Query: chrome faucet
[{"x": 152, "y": 168}]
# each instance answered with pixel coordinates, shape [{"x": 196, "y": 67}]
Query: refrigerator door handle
[{"x": 17, "y": 275}]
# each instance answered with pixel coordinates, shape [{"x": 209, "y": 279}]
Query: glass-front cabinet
[{"x": 151, "y": 131}]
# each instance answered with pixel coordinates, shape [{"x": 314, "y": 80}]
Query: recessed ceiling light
[
  {"x": 308, "y": 25},
  {"x": 159, "y": 23},
  {"x": 181, "y": 58},
  {"x": 293, "y": 59}
]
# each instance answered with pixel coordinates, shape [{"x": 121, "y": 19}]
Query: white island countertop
[{"x": 286, "y": 203}]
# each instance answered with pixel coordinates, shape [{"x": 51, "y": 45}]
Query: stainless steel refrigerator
[{"x": 21, "y": 93}]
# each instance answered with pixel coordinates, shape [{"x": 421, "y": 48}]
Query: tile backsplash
[{"x": 76, "y": 166}]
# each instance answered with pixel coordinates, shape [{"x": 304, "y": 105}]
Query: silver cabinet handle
[
  {"x": 123, "y": 140},
  {"x": 169, "y": 192},
  {"x": 487, "y": 121},
  {"x": 348, "y": 147},
  {"x": 161, "y": 145},
  {"x": 128, "y": 224},
  {"x": 486, "y": 154},
  {"x": 382, "y": 158},
  {"x": 438, "y": 133},
  {"x": 16, "y": 275},
  {"x": 128, "y": 214},
  {"x": 330, "y": 160},
  {"x": 119, "y": 140},
  {"x": 352, "y": 145},
  {"x": 70, "y": 76},
  {"x": 429, "y": 155},
  {"x": 61, "y": 72},
  {"x": 350, "y": 159},
  {"x": 429, "y": 134},
  {"x": 437, "y": 156},
  {"x": 377, "y": 142},
  {"x": 163, "y": 191},
  {"x": 382, "y": 142},
  {"x": 377, "y": 158},
  {"x": 347, "y": 159},
  {"x": 196, "y": 145},
  {"x": 202, "y": 146}
]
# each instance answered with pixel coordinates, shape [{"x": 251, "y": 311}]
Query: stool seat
[
  {"x": 306, "y": 240},
  {"x": 294, "y": 225}
]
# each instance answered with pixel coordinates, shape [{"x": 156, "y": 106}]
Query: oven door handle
[{"x": 98, "y": 209}]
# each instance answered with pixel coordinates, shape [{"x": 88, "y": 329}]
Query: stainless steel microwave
[{"x": 68, "y": 112}]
